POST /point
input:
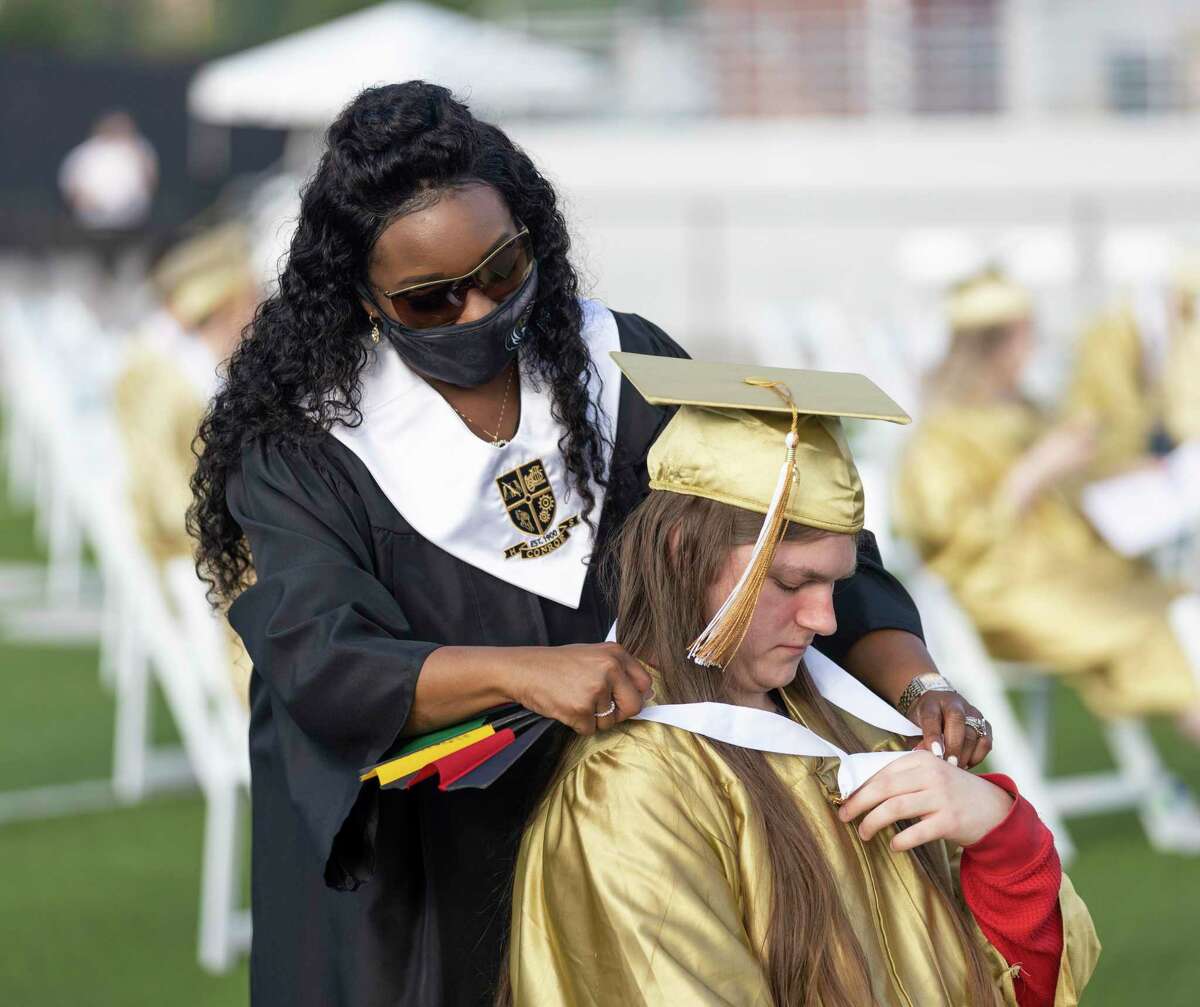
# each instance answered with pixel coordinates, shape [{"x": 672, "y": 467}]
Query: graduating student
[
  {"x": 988, "y": 493},
  {"x": 419, "y": 446},
  {"x": 207, "y": 291},
  {"x": 761, "y": 837},
  {"x": 1136, "y": 372}
]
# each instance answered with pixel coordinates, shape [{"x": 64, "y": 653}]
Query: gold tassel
[{"x": 717, "y": 644}]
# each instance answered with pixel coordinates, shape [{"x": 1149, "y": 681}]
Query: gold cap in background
[
  {"x": 986, "y": 300},
  {"x": 199, "y": 275}
]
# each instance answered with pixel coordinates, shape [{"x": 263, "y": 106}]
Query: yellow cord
[{"x": 720, "y": 640}]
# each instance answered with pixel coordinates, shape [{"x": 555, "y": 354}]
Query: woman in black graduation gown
[{"x": 419, "y": 445}]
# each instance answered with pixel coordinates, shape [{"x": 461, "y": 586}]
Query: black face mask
[{"x": 467, "y": 355}]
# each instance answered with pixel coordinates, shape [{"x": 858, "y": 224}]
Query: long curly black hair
[{"x": 296, "y": 373}]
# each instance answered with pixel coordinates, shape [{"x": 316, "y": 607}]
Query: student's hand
[
  {"x": 1062, "y": 452},
  {"x": 575, "y": 683},
  {"x": 947, "y": 803},
  {"x": 942, "y": 717},
  {"x": 1066, "y": 449}
]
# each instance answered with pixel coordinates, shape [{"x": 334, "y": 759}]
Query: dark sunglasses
[{"x": 440, "y": 302}]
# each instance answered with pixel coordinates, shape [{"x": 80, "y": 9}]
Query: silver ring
[
  {"x": 979, "y": 726},
  {"x": 612, "y": 708}
]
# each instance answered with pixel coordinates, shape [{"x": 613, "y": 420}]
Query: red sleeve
[{"x": 1010, "y": 879}]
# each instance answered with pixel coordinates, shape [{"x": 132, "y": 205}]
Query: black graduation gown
[{"x": 364, "y": 898}]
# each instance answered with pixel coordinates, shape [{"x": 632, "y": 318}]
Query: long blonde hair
[
  {"x": 667, "y": 554},
  {"x": 964, "y": 374}
]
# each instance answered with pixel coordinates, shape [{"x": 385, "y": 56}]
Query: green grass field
[{"x": 100, "y": 909}]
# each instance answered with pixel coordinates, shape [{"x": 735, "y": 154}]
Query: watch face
[
  {"x": 928, "y": 681},
  {"x": 931, "y": 678}
]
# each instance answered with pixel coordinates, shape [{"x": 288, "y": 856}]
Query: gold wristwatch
[{"x": 930, "y": 681}]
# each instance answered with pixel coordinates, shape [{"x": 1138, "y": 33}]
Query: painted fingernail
[
  {"x": 953, "y": 760},
  {"x": 937, "y": 749}
]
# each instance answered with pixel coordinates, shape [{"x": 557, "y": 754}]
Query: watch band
[{"x": 929, "y": 681}]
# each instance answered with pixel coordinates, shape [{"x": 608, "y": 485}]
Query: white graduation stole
[
  {"x": 769, "y": 732},
  {"x": 508, "y": 511}
]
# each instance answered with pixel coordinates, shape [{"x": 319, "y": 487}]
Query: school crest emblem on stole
[{"x": 529, "y": 500}]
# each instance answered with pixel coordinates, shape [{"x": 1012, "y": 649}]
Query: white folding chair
[
  {"x": 20, "y": 456},
  {"x": 224, "y": 923}
]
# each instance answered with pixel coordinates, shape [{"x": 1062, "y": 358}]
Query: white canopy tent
[{"x": 301, "y": 81}]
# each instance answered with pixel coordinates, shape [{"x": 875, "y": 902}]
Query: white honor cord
[
  {"x": 763, "y": 731},
  {"x": 847, "y": 693},
  {"x": 768, "y": 732}
]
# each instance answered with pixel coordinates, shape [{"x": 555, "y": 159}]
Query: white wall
[{"x": 702, "y": 226}]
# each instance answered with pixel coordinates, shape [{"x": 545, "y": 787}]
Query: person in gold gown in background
[
  {"x": 987, "y": 491},
  {"x": 208, "y": 292},
  {"x": 665, "y": 866},
  {"x": 1137, "y": 371}
]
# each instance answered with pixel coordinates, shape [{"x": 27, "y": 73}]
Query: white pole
[
  {"x": 889, "y": 57},
  {"x": 1024, "y": 68}
]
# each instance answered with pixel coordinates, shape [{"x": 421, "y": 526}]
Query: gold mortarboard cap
[
  {"x": 675, "y": 381},
  {"x": 199, "y": 275},
  {"x": 766, "y": 439},
  {"x": 986, "y": 300}
]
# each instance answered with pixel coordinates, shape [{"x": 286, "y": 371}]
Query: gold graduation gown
[
  {"x": 1181, "y": 384},
  {"x": 643, "y": 878},
  {"x": 158, "y": 411},
  {"x": 1110, "y": 384},
  {"x": 1041, "y": 586}
]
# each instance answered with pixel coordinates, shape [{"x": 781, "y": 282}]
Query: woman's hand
[
  {"x": 886, "y": 661},
  {"x": 949, "y": 803},
  {"x": 573, "y": 684},
  {"x": 942, "y": 719}
]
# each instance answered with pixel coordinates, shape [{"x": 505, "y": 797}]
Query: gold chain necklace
[{"x": 495, "y": 437}]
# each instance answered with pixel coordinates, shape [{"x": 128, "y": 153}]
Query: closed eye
[{"x": 789, "y": 588}]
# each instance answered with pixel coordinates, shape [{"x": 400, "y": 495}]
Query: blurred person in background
[
  {"x": 109, "y": 181},
  {"x": 420, "y": 445},
  {"x": 1137, "y": 371},
  {"x": 987, "y": 491},
  {"x": 207, "y": 292}
]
